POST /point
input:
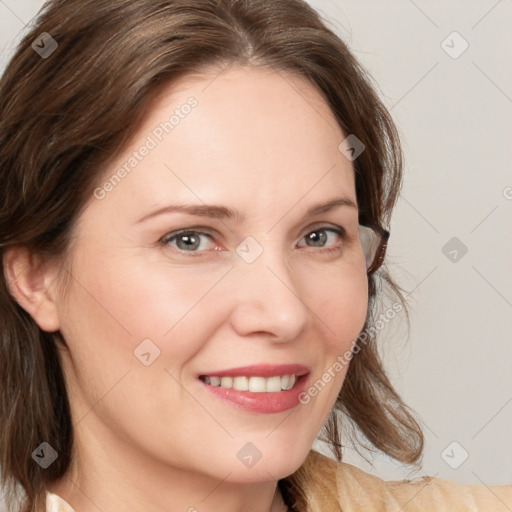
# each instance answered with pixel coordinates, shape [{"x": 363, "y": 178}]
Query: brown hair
[{"x": 63, "y": 117}]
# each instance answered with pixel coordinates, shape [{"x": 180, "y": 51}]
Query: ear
[{"x": 29, "y": 282}]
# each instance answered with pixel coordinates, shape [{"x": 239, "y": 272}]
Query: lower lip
[{"x": 266, "y": 403}]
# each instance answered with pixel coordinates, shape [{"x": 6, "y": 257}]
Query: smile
[{"x": 254, "y": 384}]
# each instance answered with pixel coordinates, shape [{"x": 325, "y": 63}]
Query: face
[{"x": 151, "y": 315}]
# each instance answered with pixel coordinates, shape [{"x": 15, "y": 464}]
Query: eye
[
  {"x": 187, "y": 240},
  {"x": 318, "y": 237}
]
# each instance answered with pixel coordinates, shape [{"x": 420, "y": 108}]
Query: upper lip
[{"x": 261, "y": 370}]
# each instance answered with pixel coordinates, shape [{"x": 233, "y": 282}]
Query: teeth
[
  {"x": 226, "y": 382},
  {"x": 241, "y": 383},
  {"x": 273, "y": 384},
  {"x": 257, "y": 384},
  {"x": 253, "y": 384}
]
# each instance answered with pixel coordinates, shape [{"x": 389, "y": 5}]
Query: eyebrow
[{"x": 222, "y": 212}]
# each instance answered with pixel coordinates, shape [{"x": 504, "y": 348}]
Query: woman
[{"x": 193, "y": 217}]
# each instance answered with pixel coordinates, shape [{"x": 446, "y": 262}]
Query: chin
[{"x": 264, "y": 460}]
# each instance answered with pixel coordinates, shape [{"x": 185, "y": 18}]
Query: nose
[{"x": 268, "y": 296}]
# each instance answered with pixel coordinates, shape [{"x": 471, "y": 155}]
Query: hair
[{"x": 62, "y": 118}]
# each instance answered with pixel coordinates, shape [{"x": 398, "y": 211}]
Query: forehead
[{"x": 236, "y": 136}]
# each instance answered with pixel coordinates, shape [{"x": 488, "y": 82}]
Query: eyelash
[{"x": 164, "y": 241}]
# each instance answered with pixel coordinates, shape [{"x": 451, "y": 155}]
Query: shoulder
[{"x": 337, "y": 486}]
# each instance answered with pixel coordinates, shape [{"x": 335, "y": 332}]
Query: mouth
[
  {"x": 261, "y": 378},
  {"x": 259, "y": 388}
]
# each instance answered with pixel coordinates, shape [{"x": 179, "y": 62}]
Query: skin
[{"x": 152, "y": 437}]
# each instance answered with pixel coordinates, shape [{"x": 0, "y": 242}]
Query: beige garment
[
  {"x": 330, "y": 486},
  {"x": 55, "y": 503}
]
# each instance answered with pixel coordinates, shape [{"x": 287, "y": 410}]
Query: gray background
[{"x": 454, "y": 114}]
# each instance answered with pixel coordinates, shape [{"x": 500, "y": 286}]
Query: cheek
[
  {"x": 111, "y": 310},
  {"x": 125, "y": 300},
  {"x": 342, "y": 310},
  {"x": 342, "y": 306},
  {"x": 118, "y": 310}
]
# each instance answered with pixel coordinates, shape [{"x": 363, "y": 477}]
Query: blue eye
[{"x": 189, "y": 240}]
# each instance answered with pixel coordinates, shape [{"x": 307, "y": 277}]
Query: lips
[
  {"x": 259, "y": 388},
  {"x": 262, "y": 402}
]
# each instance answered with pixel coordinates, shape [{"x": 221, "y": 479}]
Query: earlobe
[{"x": 29, "y": 282}]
